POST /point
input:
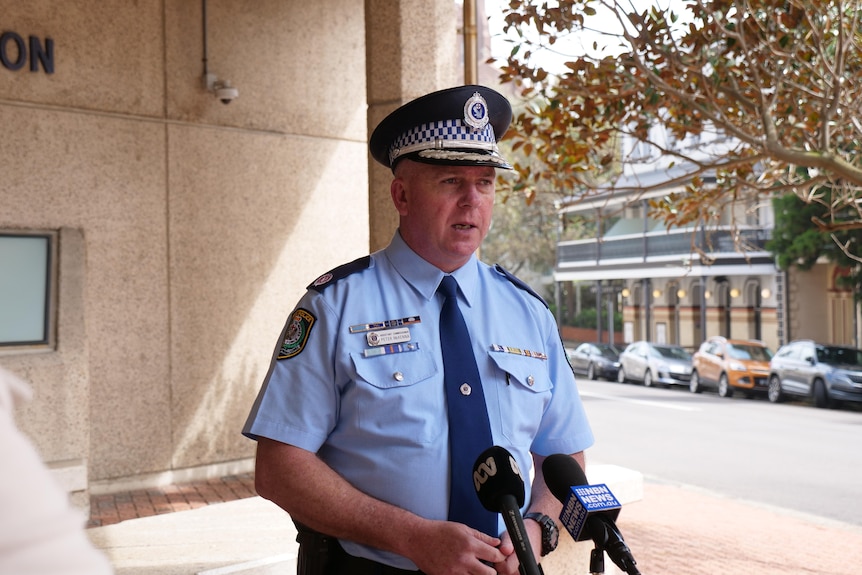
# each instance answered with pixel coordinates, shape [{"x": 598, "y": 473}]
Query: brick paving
[
  {"x": 111, "y": 508},
  {"x": 686, "y": 531}
]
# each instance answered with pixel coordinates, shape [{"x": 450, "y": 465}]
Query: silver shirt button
[
  {"x": 530, "y": 381},
  {"x": 398, "y": 376}
]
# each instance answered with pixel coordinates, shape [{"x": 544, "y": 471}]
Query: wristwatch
[{"x": 550, "y": 533}]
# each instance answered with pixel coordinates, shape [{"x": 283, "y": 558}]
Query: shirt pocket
[
  {"x": 524, "y": 392},
  {"x": 399, "y": 396}
]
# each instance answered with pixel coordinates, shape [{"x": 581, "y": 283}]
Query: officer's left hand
[{"x": 510, "y": 565}]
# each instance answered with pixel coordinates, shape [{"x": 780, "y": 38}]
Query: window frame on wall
[{"x": 46, "y": 283}]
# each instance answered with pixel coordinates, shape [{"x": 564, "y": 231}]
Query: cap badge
[{"x": 476, "y": 111}]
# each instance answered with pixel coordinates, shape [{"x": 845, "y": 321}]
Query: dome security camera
[{"x": 225, "y": 92}]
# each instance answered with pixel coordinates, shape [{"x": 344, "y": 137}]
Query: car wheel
[
  {"x": 694, "y": 383},
  {"x": 724, "y": 389},
  {"x": 647, "y": 378},
  {"x": 821, "y": 395},
  {"x": 621, "y": 375},
  {"x": 774, "y": 391},
  {"x": 591, "y": 372}
]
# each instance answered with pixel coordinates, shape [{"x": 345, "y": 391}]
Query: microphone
[
  {"x": 500, "y": 488},
  {"x": 589, "y": 511}
]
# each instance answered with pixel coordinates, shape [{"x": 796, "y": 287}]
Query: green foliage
[
  {"x": 587, "y": 318},
  {"x": 523, "y": 235},
  {"x": 578, "y": 226},
  {"x": 796, "y": 241}
]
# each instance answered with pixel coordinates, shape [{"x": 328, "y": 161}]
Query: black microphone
[
  {"x": 589, "y": 511},
  {"x": 500, "y": 488}
]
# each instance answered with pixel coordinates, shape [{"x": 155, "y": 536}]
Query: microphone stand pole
[{"x": 597, "y": 561}]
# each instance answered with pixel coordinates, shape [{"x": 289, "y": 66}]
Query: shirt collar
[{"x": 425, "y": 277}]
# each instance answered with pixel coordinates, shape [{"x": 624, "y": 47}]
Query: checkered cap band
[{"x": 443, "y": 134}]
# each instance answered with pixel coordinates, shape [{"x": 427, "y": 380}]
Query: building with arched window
[{"x": 683, "y": 285}]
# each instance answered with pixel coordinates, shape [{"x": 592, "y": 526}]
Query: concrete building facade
[{"x": 184, "y": 229}]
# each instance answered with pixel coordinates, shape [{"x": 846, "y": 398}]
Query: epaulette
[
  {"x": 520, "y": 283},
  {"x": 340, "y": 272}
]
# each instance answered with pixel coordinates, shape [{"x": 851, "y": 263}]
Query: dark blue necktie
[{"x": 469, "y": 429}]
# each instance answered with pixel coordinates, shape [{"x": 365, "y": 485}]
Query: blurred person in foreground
[
  {"x": 40, "y": 532},
  {"x": 355, "y": 426}
]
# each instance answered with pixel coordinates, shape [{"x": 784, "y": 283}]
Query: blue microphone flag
[{"x": 583, "y": 501}]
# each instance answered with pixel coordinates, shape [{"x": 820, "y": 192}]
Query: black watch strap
[{"x": 550, "y": 533}]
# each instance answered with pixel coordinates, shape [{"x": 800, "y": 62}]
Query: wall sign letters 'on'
[{"x": 15, "y": 52}]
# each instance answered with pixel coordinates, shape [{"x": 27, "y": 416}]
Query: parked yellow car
[{"x": 729, "y": 364}]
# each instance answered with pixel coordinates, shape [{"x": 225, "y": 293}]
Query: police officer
[{"x": 351, "y": 421}]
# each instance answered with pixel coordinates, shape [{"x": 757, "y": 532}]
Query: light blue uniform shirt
[{"x": 380, "y": 421}]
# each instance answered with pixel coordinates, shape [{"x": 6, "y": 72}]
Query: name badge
[{"x": 388, "y": 337}]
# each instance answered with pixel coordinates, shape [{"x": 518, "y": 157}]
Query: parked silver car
[
  {"x": 653, "y": 363},
  {"x": 595, "y": 360},
  {"x": 827, "y": 374}
]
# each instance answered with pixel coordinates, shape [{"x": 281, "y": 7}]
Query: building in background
[{"x": 683, "y": 285}]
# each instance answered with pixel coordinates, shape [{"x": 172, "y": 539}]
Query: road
[{"x": 791, "y": 455}]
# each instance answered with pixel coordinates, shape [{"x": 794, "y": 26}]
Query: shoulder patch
[
  {"x": 520, "y": 284},
  {"x": 296, "y": 334},
  {"x": 340, "y": 272}
]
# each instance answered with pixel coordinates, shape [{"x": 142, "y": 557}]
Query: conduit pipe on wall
[
  {"x": 222, "y": 89},
  {"x": 471, "y": 49}
]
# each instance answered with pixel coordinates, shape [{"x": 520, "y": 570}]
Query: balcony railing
[{"x": 658, "y": 244}]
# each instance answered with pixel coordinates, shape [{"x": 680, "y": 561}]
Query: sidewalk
[
  {"x": 116, "y": 507},
  {"x": 686, "y": 531},
  {"x": 248, "y": 536},
  {"x": 674, "y": 529}
]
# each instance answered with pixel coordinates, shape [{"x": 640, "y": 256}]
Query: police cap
[{"x": 456, "y": 126}]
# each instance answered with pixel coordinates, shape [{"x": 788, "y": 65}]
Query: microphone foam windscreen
[
  {"x": 561, "y": 474},
  {"x": 496, "y": 474}
]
